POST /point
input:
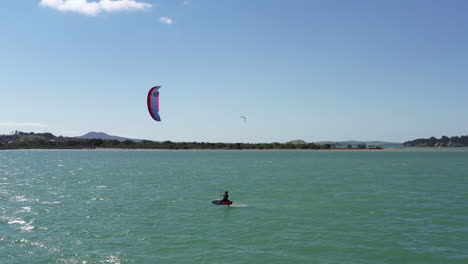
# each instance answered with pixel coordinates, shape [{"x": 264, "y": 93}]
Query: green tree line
[
  {"x": 444, "y": 141},
  {"x": 22, "y": 140}
]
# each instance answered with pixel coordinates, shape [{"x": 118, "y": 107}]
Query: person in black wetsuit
[{"x": 225, "y": 197}]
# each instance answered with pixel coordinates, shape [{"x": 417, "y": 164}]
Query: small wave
[
  {"x": 25, "y": 209},
  {"x": 112, "y": 259},
  {"x": 26, "y": 241},
  {"x": 16, "y": 221},
  {"x": 25, "y": 226},
  {"x": 101, "y": 186},
  {"x": 21, "y": 198},
  {"x": 21, "y": 240},
  {"x": 37, "y": 244},
  {"x": 55, "y": 202}
]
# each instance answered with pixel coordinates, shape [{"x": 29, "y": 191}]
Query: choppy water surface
[{"x": 290, "y": 207}]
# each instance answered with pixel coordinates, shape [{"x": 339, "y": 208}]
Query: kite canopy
[
  {"x": 243, "y": 117},
  {"x": 153, "y": 103}
]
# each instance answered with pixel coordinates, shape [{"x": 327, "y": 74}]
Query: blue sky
[{"x": 312, "y": 70}]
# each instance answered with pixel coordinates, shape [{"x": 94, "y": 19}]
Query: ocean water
[{"x": 96, "y": 206}]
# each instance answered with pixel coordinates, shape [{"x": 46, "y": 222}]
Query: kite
[{"x": 153, "y": 103}]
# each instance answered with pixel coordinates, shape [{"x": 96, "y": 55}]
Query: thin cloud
[
  {"x": 22, "y": 124},
  {"x": 166, "y": 20},
  {"x": 93, "y": 8}
]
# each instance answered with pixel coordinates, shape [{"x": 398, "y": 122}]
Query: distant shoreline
[{"x": 259, "y": 150}]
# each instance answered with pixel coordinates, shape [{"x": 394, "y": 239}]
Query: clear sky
[{"x": 391, "y": 70}]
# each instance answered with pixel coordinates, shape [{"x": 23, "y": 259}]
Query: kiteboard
[{"x": 220, "y": 202}]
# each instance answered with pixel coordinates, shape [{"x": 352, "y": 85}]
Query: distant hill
[
  {"x": 104, "y": 136},
  {"x": 296, "y": 142}
]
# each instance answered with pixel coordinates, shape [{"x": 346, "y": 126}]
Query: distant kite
[
  {"x": 243, "y": 117},
  {"x": 153, "y": 103}
]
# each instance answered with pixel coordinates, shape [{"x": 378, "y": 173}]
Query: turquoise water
[{"x": 290, "y": 207}]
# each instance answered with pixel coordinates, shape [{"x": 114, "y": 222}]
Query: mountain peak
[{"x": 104, "y": 136}]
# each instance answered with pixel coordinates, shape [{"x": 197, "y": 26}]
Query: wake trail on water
[{"x": 239, "y": 205}]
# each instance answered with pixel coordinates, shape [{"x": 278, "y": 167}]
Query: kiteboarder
[{"x": 225, "y": 198}]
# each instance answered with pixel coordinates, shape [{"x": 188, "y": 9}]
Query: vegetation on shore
[
  {"x": 442, "y": 142},
  {"x": 24, "y": 140}
]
